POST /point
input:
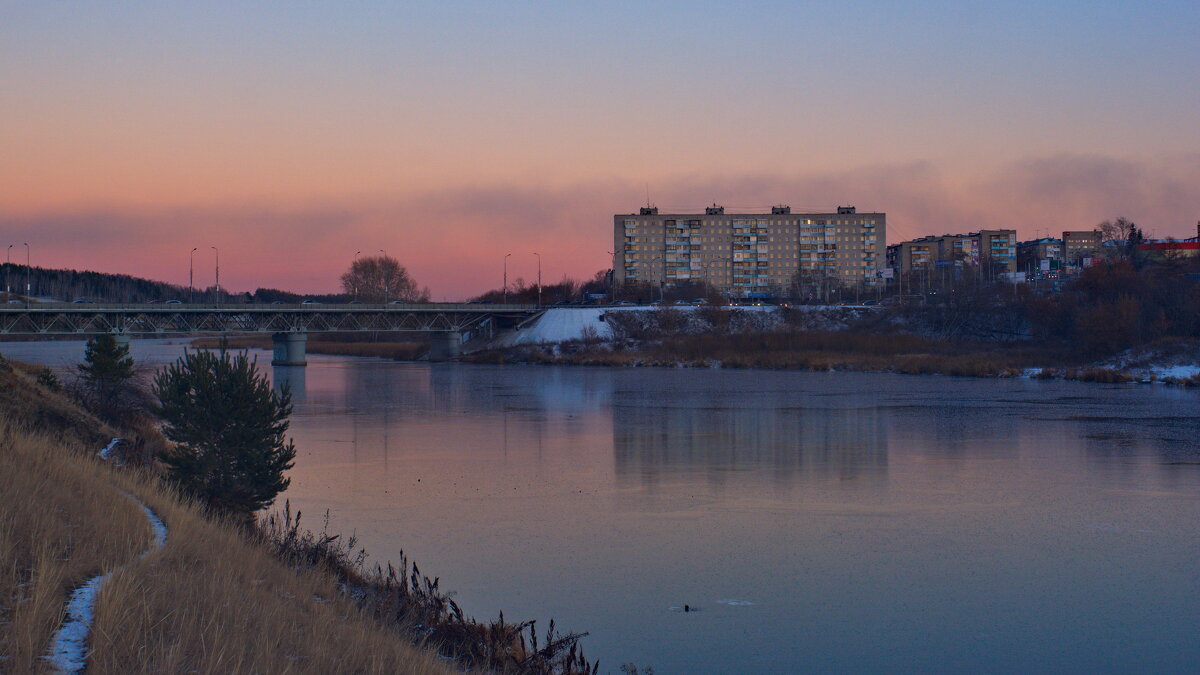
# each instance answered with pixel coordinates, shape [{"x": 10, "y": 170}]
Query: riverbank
[
  {"x": 400, "y": 351},
  {"x": 209, "y": 601},
  {"x": 217, "y": 597},
  {"x": 902, "y": 353}
]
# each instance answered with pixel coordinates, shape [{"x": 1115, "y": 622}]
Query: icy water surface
[{"x": 820, "y": 522}]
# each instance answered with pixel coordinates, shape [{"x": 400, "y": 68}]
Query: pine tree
[
  {"x": 107, "y": 366},
  {"x": 228, "y": 427}
]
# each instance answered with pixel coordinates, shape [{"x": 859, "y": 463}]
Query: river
[{"x": 816, "y": 522}]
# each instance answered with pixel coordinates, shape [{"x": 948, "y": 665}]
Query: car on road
[
  {"x": 306, "y": 301},
  {"x": 624, "y": 303},
  {"x": 82, "y": 301},
  {"x": 278, "y": 302},
  {"x": 173, "y": 302},
  {"x": 355, "y": 302}
]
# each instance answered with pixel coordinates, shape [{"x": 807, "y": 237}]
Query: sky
[{"x": 292, "y": 135}]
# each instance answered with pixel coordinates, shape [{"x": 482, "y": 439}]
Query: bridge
[{"x": 448, "y": 324}]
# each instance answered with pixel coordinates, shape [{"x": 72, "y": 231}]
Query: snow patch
[
  {"x": 561, "y": 324},
  {"x": 1178, "y": 372},
  {"x": 107, "y": 452},
  {"x": 736, "y": 603},
  {"x": 68, "y": 651}
]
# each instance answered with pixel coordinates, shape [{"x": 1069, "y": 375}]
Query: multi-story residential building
[
  {"x": 1080, "y": 244},
  {"x": 748, "y": 254},
  {"x": 1040, "y": 255},
  {"x": 995, "y": 250}
]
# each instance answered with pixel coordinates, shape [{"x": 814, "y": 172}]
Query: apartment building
[
  {"x": 995, "y": 250},
  {"x": 748, "y": 254},
  {"x": 1080, "y": 244}
]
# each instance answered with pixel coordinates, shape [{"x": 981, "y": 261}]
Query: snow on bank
[
  {"x": 1179, "y": 360},
  {"x": 560, "y": 324},
  {"x": 68, "y": 649},
  {"x": 108, "y": 450}
]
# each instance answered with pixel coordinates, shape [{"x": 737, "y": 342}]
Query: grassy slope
[{"x": 209, "y": 602}]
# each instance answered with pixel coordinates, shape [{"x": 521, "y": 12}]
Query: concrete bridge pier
[
  {"x": 445, "y": 346},
  {"x": 289, "y": 349}
]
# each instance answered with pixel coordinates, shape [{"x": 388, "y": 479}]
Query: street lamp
[
  {"x": 539, "y": 257},
  {"x": 612, "y": 287},
  {"x": 191, "y": 271},
  {"x": 8, "y": 270},
  {"x": 506, "y": 256},
  {"x": 218, "y": 281},
  {"x": 709, "y": 264},
  {"x": 383, "y": 270},
  {"x": 28, "y": 272}
]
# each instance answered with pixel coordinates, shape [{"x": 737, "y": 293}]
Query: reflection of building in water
[{"x": 652, "y": 443}]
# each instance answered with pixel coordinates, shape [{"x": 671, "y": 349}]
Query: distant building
[
  {"x": 1172, "y": 248},
  {"x": 995, "y": 250},
  {"x": 1040, "y": 255},
  {"x": 1080, "y": 244},
  {"x": 748, "y": 254}
]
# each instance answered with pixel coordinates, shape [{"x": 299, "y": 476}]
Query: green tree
[
  {"x": 107, "y": 366},
  {"x": 228, "y": 427}
]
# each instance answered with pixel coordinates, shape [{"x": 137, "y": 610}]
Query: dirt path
[{"x": 68, "y": 650}]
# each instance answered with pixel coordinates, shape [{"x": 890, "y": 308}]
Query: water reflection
[
  {"x": 655, "y": 444},
  {"x": 293, "y": 378}
]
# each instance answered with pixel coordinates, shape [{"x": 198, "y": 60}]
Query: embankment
[{"x": 209, "y": 601}]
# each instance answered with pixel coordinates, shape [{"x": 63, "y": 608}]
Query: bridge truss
[{"x": 36, "y": 319}]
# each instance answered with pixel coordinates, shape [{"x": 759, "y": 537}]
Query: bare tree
[{"x": 382, "y": 279}]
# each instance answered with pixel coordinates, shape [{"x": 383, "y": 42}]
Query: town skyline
[{"x": 291, "y": 139}]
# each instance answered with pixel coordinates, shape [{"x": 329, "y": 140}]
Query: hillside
[{"x": 209, "y": 601}]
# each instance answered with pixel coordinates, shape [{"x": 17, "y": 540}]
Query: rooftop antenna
[{"x": 647, "y": 195}]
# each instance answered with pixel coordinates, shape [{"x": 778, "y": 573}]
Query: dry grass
[
  {"x": 234, "y": 342},
  {"x": 27, "y": 405},
  {"x": 211, "y": 601},
  {"x": 61, "y": 522},
  {"x": 400, "y": 351},
  {"x": 788, "y": 350}
]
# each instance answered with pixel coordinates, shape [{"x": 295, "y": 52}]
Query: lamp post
[
  {"x": 384, "y": 272},
  {"x": 8, "y": 270},
  {"x": 505, "y": 288},
  {"x": 353, "y": 274},
  {"x": 191, "y": 274},
  {"x": 217, "y": 293},
  {"x": 709, "y": 264},
  {"x": 539, "y": 257},
  {"x": 612, "y": 288},
  {"x": 28, "y": 273}
]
